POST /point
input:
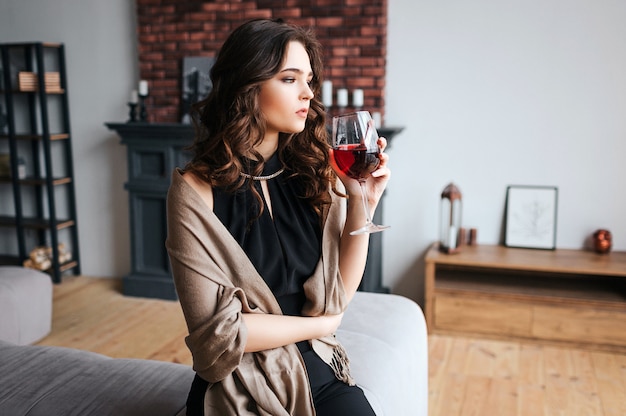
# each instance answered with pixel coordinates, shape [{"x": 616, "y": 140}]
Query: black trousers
[
  {"x": 331, "y": 396},
  {"x": 330, "y": 399},
  {"x": 338, "y": 399}
]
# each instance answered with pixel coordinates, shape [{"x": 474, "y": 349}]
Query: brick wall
[{"x": 353, "y": 32}]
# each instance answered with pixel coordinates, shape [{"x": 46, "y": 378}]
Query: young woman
[{"x": 261, "y": 262}]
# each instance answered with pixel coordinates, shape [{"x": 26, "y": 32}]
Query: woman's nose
[{"x": 307, "y": 94}]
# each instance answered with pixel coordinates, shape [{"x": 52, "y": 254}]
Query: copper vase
[{"x": 602, "y": 241}]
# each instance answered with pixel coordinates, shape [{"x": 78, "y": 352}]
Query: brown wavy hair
[{"x": 229, "y": 123}]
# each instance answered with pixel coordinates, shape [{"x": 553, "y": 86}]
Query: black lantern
[{"x": 450, "y": 219}]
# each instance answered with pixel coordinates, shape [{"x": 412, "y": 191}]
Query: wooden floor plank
[
  {"x": 610, "y": 375},
  {"x": 438, "y": 359},
  {"x": 452, "y": 396},
  {"x": 531, "y": 400},
  {"x": 507, "y": 361},
  {"x": 481, "y": 357},
  {"x": 584, "y": 384},
  {"x": 477, "y": 390},
  {"x": 502, "y": 397},
  {"x": 531, "y": 366}
]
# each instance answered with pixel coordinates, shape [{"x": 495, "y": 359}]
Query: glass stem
[{"x": 365, "y": 204}]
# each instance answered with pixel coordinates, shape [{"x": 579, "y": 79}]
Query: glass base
[{"x": 369, "y": 229}]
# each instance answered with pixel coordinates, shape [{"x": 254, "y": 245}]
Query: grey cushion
[{"x": 49, "y": 381}]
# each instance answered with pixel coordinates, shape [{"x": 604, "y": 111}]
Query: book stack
[{"x": 28, "y": 82}]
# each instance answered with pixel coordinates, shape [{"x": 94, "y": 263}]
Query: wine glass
[{"x": 355, "y": 146}]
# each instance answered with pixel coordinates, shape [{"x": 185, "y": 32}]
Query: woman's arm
[
  {"x": 272, "y": 331},
  {"x": 353, "y": 248},
  {"x": 266, "y": 331}
]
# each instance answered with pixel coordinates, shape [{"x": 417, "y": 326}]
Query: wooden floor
[
  {"x": 466, "y": 376},
  {"x": 482, "y": 377},
  {"x": 92, "y": 314}
]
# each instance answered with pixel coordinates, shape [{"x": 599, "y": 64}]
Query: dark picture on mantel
[{"x": 196, "y": 83}]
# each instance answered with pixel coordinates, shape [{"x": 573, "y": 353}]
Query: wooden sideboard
[
  {"x": 154, "y": 150},
  {"x": 571, "y": 297}
]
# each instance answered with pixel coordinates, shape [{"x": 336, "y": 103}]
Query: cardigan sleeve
[
  {"x": 217, "y": 335},
  {"x": 211, "y": 304}
]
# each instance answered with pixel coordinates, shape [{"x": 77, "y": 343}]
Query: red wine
[{"x": 355, "y": 160}]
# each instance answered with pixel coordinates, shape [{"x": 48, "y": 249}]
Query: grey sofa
[
  {"x": 385, "y": 336},
  {"x": 57, "y": 381}
]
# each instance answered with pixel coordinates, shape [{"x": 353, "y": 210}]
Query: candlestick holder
[
  {"x": 132, "y": 112},
  {"x": 143, "y": 114}
]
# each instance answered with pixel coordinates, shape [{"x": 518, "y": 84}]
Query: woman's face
[{"x": 284, "y": 99}]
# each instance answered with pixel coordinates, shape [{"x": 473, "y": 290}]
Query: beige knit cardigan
[{"x": 216, "y": 282}]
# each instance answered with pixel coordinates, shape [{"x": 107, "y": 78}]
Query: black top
[
  {"x": 284, "y": 247},
  {"x": 284, "y": 250}
]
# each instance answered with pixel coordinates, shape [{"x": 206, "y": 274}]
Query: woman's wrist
[{"x": 355, "y": 205}]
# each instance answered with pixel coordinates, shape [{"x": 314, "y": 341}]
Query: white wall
[
  {"x": 101, "y": 56},
  {"x": 490, "y": 93},
  {"x": 499, "y": 93}
]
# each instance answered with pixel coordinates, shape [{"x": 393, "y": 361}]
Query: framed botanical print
[{"x": 531, "y": 213}]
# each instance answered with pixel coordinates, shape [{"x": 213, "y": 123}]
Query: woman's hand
[
  {"x": 330, "y": 323},
  {"x": 353, "y": 249},
  {"x": 375, "y": 183}
]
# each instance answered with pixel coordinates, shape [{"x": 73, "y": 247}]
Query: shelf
[
  {"x": 37, "y": 181},
  {"x": 532, "y": 287},
  {"x": 15, "y": 261},
  {"x": 7, "y": 260},
  {"x": 49, "y": 91},
  {"x": 53, "y": 137},
  {"x": 12, "y": 45},
  {"x": 68, "y": 265},
  {"x": 35, "y": 223}
]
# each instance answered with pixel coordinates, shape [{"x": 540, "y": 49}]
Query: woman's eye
[{"x": 289, "y": 80}]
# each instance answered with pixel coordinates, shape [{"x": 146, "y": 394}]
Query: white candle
[
  {"x": 357, "y": 98},
  {"x": 143, "y": 88},
  {"x": 452, "y": 237},
  {"x": 327, "y": 93},
  {"x": 133, "y": 97},
  {"x": 378, "y": 119},
  {"x": 342, "y": 97}
]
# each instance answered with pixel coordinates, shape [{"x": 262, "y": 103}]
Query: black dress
[{"x": 284, "y": 249}]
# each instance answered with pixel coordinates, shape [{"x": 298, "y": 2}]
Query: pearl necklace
[{"x": 262, "y": 178}]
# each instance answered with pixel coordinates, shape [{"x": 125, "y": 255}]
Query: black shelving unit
[{"x": 36, "y": 142}]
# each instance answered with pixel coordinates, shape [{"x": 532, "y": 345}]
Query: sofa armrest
[{"x": 387, "y": 343}]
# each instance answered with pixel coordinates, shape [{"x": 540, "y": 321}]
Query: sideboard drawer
[
  {"x": 593, "y": 325},
  {"x": 482, "y": 316},
  {"x": 559, "y": 323}
]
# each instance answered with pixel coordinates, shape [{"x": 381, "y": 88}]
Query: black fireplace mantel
[{"x": 154, "y": 150}]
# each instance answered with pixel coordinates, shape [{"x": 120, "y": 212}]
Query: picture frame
[{"x": 531, "y": 215}]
